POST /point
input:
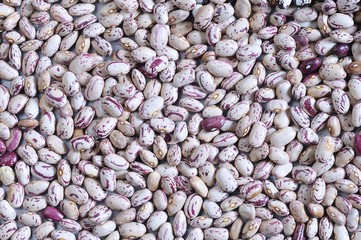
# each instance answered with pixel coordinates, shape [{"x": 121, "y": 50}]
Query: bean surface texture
[{"x": 180, "y": 119}]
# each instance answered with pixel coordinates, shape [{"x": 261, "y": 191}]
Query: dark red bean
[
  {"x": 311, "y": 65},
  {"x": 52, "y": 213},
  {"x": 8, "y": 159},
  {"x": 341, "y": 50},
  {"x": 213, "y": 123}
]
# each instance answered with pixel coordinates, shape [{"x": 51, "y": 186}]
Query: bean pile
[{"x": 180, "y": 119}]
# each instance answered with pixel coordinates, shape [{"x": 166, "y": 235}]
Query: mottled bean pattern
[{"x": 180, "y": 119}]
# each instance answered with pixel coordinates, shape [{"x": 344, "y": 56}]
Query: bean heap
[{"x": 180, "y": 119}]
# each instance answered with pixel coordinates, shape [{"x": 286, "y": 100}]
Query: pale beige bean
[
  {"x": 7, "y": 229},
  {"x": 297, "y": 209},
  {"x": 199, "y": 186},
  {"x": 331, "y": 194},
  {"x": 251, "y": 228},
  {"x": 8, "y": 72},
  {"x": 282, "y": 137}
]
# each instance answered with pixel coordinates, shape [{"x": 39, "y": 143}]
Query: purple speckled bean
[
  {"x": 340, "y": 101},
  {"x": 318, "y": 190},
  {"x": 85, "y": 208},
  {"x": 7, "y": 229},
  {"x": 108, "y": 179},
  {"x": 2, "y": 147},
  {"x": 7, "y": 71},
  {"x": 55, "y": 97},
  {"x": 343, "y": 204},
  {"x": 134, "y": 229},
  {"x": 304, "y": 173},
  {"x": 299, "y": 232},
  {"x": 64, "y": 172},
  {"x": 84, "y": 21},
  {"x": 176, "y": 113},
  {"x": 104, "y": 127},
  {"x": 352, "y": 220},
  {"x": 76, "y": 194},
  {"x": 43, "y": 171},
  {"x": 22, "y": 172},
  {"x": 300, "y": 117},
  {"x": 16, "y": 86},
  {"x": 251, "y": 189},
  {"x": 308, "y": 105},
  {"x": 183, "y": 184},
  {"x": 115, "y": 162},
  {"x": 168, "y": 185},
  {"x": 94, "y": 88},
  {"x": 70, "y": 225},
  {"x": 273, "y": 226},
  {"x": 112, "y": 106},
  {"x": 94, "y": 189},
  {"x": 84, "y": 142},
  {"x": 16, "y": 195},
  {"x": 355, "y": 200},
  {"x": 278, "y": 207},
  {"x": 325, "y": 228},
  {"x": 84, "y": 117},
  {"x": 23, "y": 233},
  {"x": 300, "y": 40},
  {"x": 263, "y": 170},
  {"x": 225, "y": 139},
  {"x": 34, "y": 204},
  {"x": 30, "y": 219},
  {"x": 99, "y": 214},
  {"x": 36, "y": 187},
  {"x": 17, "y": 103}
]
